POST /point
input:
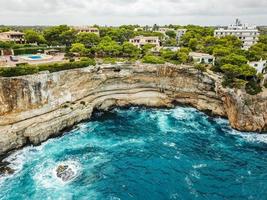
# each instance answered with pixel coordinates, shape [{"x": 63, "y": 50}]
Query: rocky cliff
[{"x": 36, "y": 107}]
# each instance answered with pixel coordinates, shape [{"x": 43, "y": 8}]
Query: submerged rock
[
  {"x": 65, "y": 173},
  {"x": 5, "y": 170}
]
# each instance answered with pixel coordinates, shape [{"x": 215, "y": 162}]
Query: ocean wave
[{"x": 247, "y": 136}]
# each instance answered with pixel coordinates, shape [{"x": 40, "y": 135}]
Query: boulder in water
[
  {"x": 5, "y": 170},
  {"x": 65, "y": 173}
]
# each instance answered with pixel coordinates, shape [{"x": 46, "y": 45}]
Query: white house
[
  {"x": 141, "y": 40},
  {"x": 260, "y": 65},
  {"x": 247, "y": 34},
  {"x": 202, "y": 58}
]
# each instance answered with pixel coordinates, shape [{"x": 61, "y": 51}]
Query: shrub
[
  {"x": 29, "y": 69},
  {"x": 33, "y": 50},
  {"x": 18, "y": 71},
  {"x": 153, "y": 59},
  {"x": 201, "y": 67},
  {"x": 253, "y": 88},
  {"x": 109, "y": 60},
  {"x": 30, "y": 50},
  {"x": 65, "y": 66}
]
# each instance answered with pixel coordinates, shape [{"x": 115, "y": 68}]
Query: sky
[{"x": 143, "y": 12}]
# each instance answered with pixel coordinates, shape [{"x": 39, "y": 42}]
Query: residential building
[
  {"x": 174, "y": 49},
  {"x": 163, "y": 30},
  {"x": 260, "y": 66},
  {"x": 86, "y": 29},
  {"x": 12, "y": 36},
  {"x": 202, "y": 58},
  {"x": 247, "y": 34},
  {"x": 179, "y": 32},
  {"x": 141, "y": 40}
]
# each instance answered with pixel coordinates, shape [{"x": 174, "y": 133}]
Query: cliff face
[{"x": 36, "y": 107}]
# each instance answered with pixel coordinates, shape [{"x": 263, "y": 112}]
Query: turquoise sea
[{"x": 144, "y": 154}]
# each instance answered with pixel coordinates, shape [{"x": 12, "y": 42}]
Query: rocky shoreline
[{"x": 36, "y": 107}]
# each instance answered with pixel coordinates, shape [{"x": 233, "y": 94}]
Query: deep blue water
[{"x": 144, "y": 154}]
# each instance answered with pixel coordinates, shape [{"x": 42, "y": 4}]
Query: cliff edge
[{"x": 36, "y": 107}]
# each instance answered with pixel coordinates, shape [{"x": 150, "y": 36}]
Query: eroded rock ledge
[{"x": 36, "y": 107}]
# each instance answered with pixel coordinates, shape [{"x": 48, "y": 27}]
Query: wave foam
[{"x": 46, "y": 176}]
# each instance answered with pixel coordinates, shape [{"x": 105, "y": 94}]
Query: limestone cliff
[{"x": 36, "y": 107}]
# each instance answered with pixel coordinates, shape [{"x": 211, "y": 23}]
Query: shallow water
[{"x": 144, "y": 154}]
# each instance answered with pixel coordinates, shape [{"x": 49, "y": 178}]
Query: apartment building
[{"x": 247, "y": 34}]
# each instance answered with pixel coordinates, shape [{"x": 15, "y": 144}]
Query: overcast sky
[{"x": 116, "y": 12}]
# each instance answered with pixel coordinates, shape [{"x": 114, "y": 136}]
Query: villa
[
  {"x": 202, "y": 58},
  {"x": 140, "y": 41},
  {"x": 247, "y": 34},
  {"x": 87, "y": 29},
  {"x": 260, "y": 65},
  {"x": 12, "y": 36}
]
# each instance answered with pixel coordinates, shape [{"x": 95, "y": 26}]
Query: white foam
[
  {"x": 45, "y": 173},
  {"x": 198, "y": 166},
  {"x": 249, "y": 137},
  {"x": 180, "y": 113},
  {"x": 169, "y": 144}
]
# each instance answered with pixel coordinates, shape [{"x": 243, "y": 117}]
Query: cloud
[{"x": 131, "y": 11}]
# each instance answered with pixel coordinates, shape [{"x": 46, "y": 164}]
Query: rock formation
[
  {"x": 65, "y": 173},
  {"x": 36, "y": 107}
]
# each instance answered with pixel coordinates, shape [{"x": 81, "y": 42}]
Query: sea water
[{"x": 144, "y": 154}]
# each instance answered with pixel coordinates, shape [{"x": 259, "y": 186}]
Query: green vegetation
[
  {"x": 153, "y": 59},
  {"x": 177, "y": 57},
  {"x": 201, "y": 67},
  {"x": 32, "y": 36},
  {"x": 113, "y": 45},
  {"x": 31, "y": 69},
  {"x": 109, "y": 60}
]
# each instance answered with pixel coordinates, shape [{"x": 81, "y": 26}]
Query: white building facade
[
  {"x": 179, "y": 34},
  {"x": 260, "y": 66},
  {"x": 249, "y": 35},
  {"x": 202, "y": 58}
]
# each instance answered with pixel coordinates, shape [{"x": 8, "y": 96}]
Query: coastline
[{"x": 57, "y": 101}]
